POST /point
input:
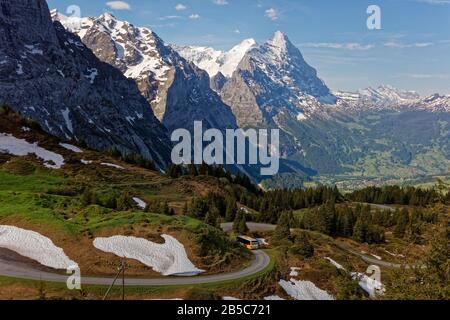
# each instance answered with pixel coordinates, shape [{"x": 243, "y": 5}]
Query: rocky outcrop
[{"x": 49, "y": 75}]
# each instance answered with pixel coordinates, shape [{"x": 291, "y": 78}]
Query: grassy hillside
[{"x": 79, "y": 202}]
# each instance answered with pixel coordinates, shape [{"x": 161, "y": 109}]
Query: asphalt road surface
[{"x": 17, "y": 269}]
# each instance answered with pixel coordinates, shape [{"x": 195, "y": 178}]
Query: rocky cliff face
[
  {"x": 177, "y": 90},
  {"x": 47, "y": 74},
  {"x": 271, "y": 79}
]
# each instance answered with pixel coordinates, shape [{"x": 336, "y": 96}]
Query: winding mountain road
[
  {"x": 22, "y": 270},
  {"x": 262, "y": 227},
  {"x": 17, "y": 269}
]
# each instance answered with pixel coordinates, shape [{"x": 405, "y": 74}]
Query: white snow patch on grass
[
  {"x": 35, "y": 246},
  {"x": 112, "y": 165},
  {"x": 71, "y": 147},
  {"x": 376, "y": 257},
  {"x": 394, "y": 255},
  {"x": 227, "y": 298},
  {"x": 20, "y": 147},
  {"x": 140, "y": 203},
  {"x": 273, "y": 298},
  {"x": 371, "y": 286},
  {"x": 304, "y": 290},
  {"x": 169, "y": 258},
  {"x": 86, "y": 162},
  {"x": 294, "y": 272},
  {"x": 334, "y": 263}
]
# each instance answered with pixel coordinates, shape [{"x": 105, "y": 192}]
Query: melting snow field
[
  {"x": 228, "y": 298},
  {"x": 112, "y": 165},
  {"x": 294, "y": 272},
  {"x": 35, "y": 246},
  {"x": 20, "y": 147},
  {"x": 371, "y": 286},
  {"x": 334, "y": 263},
  {"x": 304, "y": 290},
  {"x": 169, "y": 258},
  {"x": 273, "y": 298},
  {"x": 140, "y": 203},
  {"x": 71, "y": 147}
]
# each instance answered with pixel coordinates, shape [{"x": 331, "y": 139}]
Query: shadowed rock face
[
  {"x": 177, "y": 90},
  {"x": 47, "y": 74}
]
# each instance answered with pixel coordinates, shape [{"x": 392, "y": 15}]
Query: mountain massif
[
  {"x": 178, "y": 91},
  {"x": 49, "y": 75}
]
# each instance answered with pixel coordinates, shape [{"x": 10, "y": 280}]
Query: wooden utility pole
[
  {"x": 123, "y": 279},
  {"x": 121, "y": 269}
]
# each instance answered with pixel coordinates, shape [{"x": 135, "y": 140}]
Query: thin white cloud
[
  {"x": 272, "y": 14},
  {"x": 423, "y": 76},
  {"x": 118, "y": 5},
  {"x": 168, "y": 18},
  {"x": 435, "y": 2},
  {"x": 180, "y": 7},
  {"x": 221, "y": 2},
  {"x": 354, "y": 46},
  {"x": 194, "y": 16},
  {"x": 400, "y": 45},
  {"x": 164, "y": 25}
]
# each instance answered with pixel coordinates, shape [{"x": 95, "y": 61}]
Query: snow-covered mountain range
[
  {"x": 178, "y": 91},
  {"x": 388, "y": 97},
  {"x": 215, "y": 61},
  {"x": 111, "y": 84}
]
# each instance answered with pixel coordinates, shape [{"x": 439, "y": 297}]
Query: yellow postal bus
[{"x": 248, "y": 242}]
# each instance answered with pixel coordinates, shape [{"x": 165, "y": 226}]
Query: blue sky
[{"x": 411, "y": 51}]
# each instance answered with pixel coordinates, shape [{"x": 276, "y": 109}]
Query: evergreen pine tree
[
  {"x": 212, "y": 217},
  {"x": 283, "y": 229},
  {"x": 402, "y": 223},
  {"x": 124, "y": 202}
]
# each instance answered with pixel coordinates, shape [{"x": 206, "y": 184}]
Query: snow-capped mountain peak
[
  {"x": 135, "y": 51},
  {"x": 215, "y": 61},
  {"x": 383, "y": 97},
  {"x": 108, "y": 17},
  {"x": 279, "y": 40}
]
